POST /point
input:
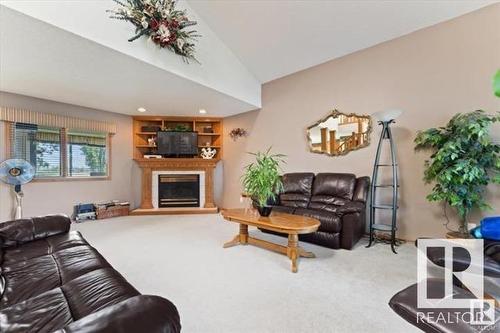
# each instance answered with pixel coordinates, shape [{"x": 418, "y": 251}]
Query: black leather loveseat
[
  {"x": 337, "y": 200},
  {"x": 51, "y": 279}
]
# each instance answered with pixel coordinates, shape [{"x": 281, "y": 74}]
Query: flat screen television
[{"x": 177, "y": 143}]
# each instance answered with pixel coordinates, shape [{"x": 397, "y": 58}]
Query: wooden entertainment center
[{"x": 209, "y": 135}]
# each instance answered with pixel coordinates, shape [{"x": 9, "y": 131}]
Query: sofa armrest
[
  {"x": 405, "y": 304},
  {"x": 143, "y": 313},
  {"x": 492, "y": 250},
  {"x": 350, "y": 208},
  {"x": 361, "y": 190},
  {"x": 353, "y": 228},
  {"x": 21, "y": 231},
  {"x": 461, "y": 259}
]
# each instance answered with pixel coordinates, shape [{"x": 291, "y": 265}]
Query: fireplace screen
[{"x": 178, "y": 191}]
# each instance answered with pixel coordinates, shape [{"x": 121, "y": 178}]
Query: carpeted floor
[{"x": 248, "y": 289}]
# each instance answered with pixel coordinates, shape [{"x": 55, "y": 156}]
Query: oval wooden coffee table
[{"x": 293, "y": 225}]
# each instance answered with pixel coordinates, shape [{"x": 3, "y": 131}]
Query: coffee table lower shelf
[{"x": 292, "y": 251}]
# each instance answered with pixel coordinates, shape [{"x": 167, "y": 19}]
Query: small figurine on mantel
[
  {"x": 208, "y": 153},
  {"x": 152, "y": 141}
]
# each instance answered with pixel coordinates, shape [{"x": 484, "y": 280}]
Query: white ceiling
[
  {"x": 274, "y": 38},
  {"x": 73, "y": 52},
  {"x": 70, "y": 51}
]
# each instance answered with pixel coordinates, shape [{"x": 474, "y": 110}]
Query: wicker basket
[{"x": 112, "y": 211}]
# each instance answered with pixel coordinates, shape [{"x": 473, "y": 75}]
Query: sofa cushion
[
  {"x": 284, "y": 209},
  {"x": 25, "y": 279},
  {"x": 294, "y": 200},
  {"x": 43, "y": 246},
  {"x": 77, "y": 261},
  {"x": 44, "y": 313},
  {"x": 336, "y": 206},
  {"x": 29, "y": 278},
  {"x": 96, "y": 290},
  {"x": 296, "y": 189},
  {"x": 143, "y": 313},
  {"x": 329, "y": 222},
  {"x": 17, "y": 232},
  {"x": 338, "y": 185}
]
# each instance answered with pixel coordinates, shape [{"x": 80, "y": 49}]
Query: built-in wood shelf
[
  {"x": 145, "y": 146},
  {"x": 148, "y": 166},
  {"x": 197, "y": 124}
]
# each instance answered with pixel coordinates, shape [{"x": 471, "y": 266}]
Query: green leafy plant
[
  {"x": 261, "y": 180},
  {"x": 464, "y": 161},
  {"x": 496, "y": 83},
  {"x": 178, "y": 128}
]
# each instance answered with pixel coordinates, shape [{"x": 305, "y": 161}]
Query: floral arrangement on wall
[
  {"x": 238, "y": 133},
  {"x": 158, "y": 19}
]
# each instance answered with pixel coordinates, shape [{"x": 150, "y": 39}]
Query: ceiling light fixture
[
  {"x": 203, "y": 111},
  {"x": 141, "y": 109}
]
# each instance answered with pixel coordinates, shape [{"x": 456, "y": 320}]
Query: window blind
[
  {"x": 86, "y": 154},
  {"x": 39, "y": 145}
]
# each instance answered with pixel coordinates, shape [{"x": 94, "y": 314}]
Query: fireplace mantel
[{"x": 175, "y": 164}]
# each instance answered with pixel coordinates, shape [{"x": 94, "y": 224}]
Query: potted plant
[
  {"x": 261, "y": 180},
  {"x": 464, "y": 161}
]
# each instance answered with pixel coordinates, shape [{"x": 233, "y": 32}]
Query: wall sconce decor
[{"x": 238, "y": 133}]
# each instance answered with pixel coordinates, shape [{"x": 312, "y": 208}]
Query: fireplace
[{"x": 178, "y": 190}]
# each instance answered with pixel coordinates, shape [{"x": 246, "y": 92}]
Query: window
[
  {"x": 86, "y": 155},
  {"x": 41, "y": 146},
  {"x": 61, "y": 153}
]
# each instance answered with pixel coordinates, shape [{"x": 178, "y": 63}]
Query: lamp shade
[{"x": 387, "y": 115}]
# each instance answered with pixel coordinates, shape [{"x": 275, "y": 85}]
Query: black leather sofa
[
  {"x": 337, "y": 200},
  {"x": 404, "y": 303},
  {"x": 51, "y": 279}
]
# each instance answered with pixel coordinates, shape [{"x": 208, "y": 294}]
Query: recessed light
[
  {"x": 141, "y": 109},
  {"x": 203, "y": 111}
]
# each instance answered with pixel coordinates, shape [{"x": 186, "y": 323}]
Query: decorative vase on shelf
[
  {"x": 208, "y": 153},
  {"x": 152, "y": 142}
]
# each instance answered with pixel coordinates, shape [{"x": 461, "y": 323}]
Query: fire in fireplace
[{"x": 178, "y": 190}]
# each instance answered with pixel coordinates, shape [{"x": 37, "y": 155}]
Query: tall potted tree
[
  {"x": 261, "y": 180},
  {"x": 464, "y": 161}
]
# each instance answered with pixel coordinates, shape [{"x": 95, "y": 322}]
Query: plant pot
[{"x": 264, "y": 210}]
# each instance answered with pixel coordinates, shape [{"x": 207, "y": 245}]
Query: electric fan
[{"x": 17, "y": 172}]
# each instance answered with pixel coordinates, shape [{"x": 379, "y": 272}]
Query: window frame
[{"x": 9, "y": 136}]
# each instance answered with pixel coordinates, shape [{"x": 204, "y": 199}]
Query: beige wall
[
  {"x": 430, "y": 74},
  {"x": 59, "y": 197}
]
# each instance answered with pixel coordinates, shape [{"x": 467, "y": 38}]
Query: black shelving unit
[{"x": 391, "y": 228}]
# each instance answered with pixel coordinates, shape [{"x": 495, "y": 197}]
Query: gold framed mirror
[{"x": 339, "y": 133}]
